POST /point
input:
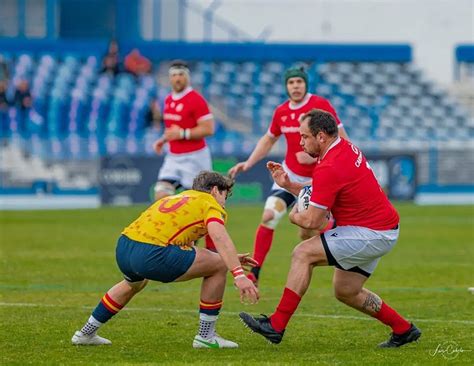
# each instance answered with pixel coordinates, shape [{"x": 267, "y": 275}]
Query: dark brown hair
[
  {"x": 205, "y": 180},
  {"x": 320, "y": 120}
]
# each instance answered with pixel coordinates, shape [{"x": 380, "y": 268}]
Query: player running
[
  {"x": 188, "y": 121},
  {"x": 158, "y": 246},
  {"x": 298, "y": 164},
  {"x": 368, "y": 228}
]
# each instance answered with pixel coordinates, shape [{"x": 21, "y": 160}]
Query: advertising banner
[{"x": 128, "y": 180}]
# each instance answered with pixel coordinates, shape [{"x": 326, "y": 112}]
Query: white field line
[{"x": 184, "y": 311}]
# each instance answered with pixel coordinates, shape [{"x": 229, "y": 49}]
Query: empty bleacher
[{"x": 79, "y": 113}]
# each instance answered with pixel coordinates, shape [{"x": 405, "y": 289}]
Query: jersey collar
[
  {"x": 305, "y": 100},
  {"x": 176, "y": 96},
  {"x": 338, "y": 140}
]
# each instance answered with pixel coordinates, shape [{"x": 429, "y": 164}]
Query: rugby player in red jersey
[
  {"x": 298, "y": 164},
  {"x": 188, "y": 121},
  {"x": 367, "y": 228}
]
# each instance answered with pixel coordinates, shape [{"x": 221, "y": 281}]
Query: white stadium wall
[{"x": 432, "y": 27}]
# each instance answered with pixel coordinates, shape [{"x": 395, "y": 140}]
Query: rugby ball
[{"x": 303, "y": 198}]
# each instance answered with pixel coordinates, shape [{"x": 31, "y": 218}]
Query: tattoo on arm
[{"x": 372, "y": 303}]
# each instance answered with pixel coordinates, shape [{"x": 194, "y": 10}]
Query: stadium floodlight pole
[
  {"x": 208, "y": 19},
  {"x": 181, "y": 16}
]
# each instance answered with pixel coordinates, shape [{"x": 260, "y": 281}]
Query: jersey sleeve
[
  {"x": 213, "y": 214},
  {"x": 325, "y": 188},
  {"x": 274, "y": 130},
  {"x": 327, "y": 106},
  {"x": 201, "y": 109}
]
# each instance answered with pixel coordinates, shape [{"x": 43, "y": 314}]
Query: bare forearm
[
  {"x": 262, "y": 149},
  {"x": 343, "y": 133},
  {"x": 310, "y": 219},
  {"x": 307, "y": 223},
  {"x": 294, "y": 187},
  {"x": 226, "y": 249},
  {"x": 201, "y": 131}
]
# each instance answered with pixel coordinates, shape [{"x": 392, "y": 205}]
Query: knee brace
[
  {"x": 278, "y": 207},
  {"x": 165, "y": 187}
]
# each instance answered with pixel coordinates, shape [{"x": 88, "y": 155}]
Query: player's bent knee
[
  {"x": 222, "y": 267},
  {"x": 274, "y": 210},
  {"x": 310, "y": 251},
  {"x": 137, "y": 286},
  {"x": 306, "y": 234},
  {"x": 163, "y": 189},
  {"x": 345, "y": 294},
  {"x": 300, "y": 253},
  {"x": 214, "y": 261},
  {"x": 267, "y": 216}
]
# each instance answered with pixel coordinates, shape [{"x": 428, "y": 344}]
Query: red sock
[
  {"x": 285, "y": 309},
  {"x": 390, "y": 317},
  {"x": 262, "y": 244},
  {"x": 210, "y": 244}
]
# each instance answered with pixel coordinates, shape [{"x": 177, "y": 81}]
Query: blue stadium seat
[{"x": 74, "y": 104}]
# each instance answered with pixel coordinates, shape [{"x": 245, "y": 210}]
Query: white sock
[
  {"x": 207, "y": 325},
  {"x": 90, "y": 328}
]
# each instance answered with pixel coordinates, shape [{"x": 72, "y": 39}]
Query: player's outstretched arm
[
  {"x": 282, "y": 179},
  {"x": 304, "y": 158},
  {"x": 343, "y": 133},
  {"x": 226, "y": 249},
  {"x": 263, "y": 147}
]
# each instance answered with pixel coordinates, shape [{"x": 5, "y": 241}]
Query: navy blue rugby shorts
[{"x": 139, "y": 261}]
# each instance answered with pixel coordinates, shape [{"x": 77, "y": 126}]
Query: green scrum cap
[{"x": 296, "y": 72}]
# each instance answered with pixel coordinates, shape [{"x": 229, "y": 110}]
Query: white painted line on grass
[{"x": 184, "y": 311}]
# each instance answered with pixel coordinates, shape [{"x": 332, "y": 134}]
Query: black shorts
[{"x": 286, "y": 196}]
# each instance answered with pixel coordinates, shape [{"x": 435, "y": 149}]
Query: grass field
[{"x": 56, "y": 265}]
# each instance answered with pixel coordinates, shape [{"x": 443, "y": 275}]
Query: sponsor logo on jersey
[
  {"x": 290, "y": 129},
  {"x": 172, "y": 117}
]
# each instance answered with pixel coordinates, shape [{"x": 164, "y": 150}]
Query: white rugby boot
[
  {"x": 81, "y": 339},
  {"x": 215, "y": 341}
]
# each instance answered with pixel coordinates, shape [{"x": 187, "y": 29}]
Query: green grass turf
[{"x": 55, "y": 266}]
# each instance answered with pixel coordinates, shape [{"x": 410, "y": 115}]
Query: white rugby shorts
[
  {"x": 185, "y": 167},
  {"x": 358, "y": 249}
]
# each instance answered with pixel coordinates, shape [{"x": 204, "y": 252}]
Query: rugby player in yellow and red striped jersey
[
  {"x": 159, "y": 246},
  {"x": 177, "y": 220}
]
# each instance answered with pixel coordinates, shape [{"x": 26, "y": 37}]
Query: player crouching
[{"x": 158, "y": 246}]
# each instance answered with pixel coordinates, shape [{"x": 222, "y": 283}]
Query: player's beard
[
  {"x": 315, "y": 153},
  {"x": 178, "y": 87}
]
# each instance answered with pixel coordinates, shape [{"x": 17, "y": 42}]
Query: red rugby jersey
[
  {"x": 286, "y": 121},
  {"x": 344, "y": 183},
  {"x": 185, "y": 109}
]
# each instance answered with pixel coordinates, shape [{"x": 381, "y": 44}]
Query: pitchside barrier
[{"x": 128, "y": 180}]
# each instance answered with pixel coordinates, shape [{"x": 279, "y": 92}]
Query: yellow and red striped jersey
[{"x": 176, "y": 220}]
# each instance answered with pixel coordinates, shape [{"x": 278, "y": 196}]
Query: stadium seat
[{"x": 74, "y": 104}]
